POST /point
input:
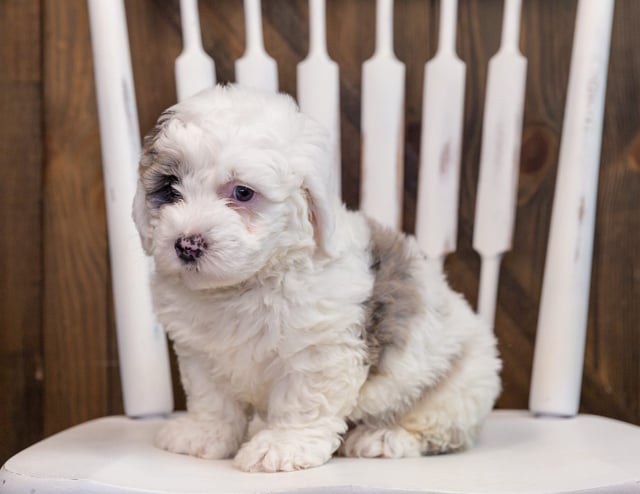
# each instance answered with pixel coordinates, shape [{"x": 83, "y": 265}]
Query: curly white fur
[{"x": 289, "y": 309}]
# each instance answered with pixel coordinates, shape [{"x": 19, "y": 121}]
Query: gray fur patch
[
  {"x": 396, "y": 297},
  {"x": 158, "y": 171}
]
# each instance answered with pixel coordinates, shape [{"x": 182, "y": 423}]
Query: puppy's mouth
[{"x": 202, "y": 262}]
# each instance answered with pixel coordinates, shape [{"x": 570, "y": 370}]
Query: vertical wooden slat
[
  {"x": 560, "y": 338},
  {"x": 195, "y": 70},
  {"x": 319, "y": 85},
  {"x": 21, "y": 373},
  {"x": 142, "y": 348},
  {"x": 75, "y": 245},
  {"x": 383, "y": 126},
  {"x": 256, "y": 68},
  {"x": 441, "y": 142},
  {"x": 500, "y": 158},
  {"x": 548, "y": 50}
]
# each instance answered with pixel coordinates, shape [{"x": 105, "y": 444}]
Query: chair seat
[{"x": 516, "y": 453}]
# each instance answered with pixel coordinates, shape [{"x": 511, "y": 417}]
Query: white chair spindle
[
  {"x": 256, "y": 68},
  {"x": 319, "y": 84},
  {"x": 383, "y": 126},
  {"x": 562, "y": 321},
  {"x": 195, "y": 70},
  {"x": 441, "y": 142},
  {"x": 142, "y": 346},
  {"x": 499, "y": 158}
]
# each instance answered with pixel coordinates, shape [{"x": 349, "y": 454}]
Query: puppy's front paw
[
  {"x": 204, "y": 439},
  {"x": 273, "y": 450}
]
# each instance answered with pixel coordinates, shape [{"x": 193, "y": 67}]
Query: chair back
[{"x": 560, "y": 339}]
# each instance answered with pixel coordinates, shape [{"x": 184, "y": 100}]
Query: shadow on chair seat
[{"x": 515, "y": 454}]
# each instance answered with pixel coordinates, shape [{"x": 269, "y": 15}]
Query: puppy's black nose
[{"x": 190, "y": 248}]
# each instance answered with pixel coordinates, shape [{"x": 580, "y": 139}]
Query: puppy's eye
[
  {"x": 242, "y": 193},
  {"x": 164, "y": 192}
]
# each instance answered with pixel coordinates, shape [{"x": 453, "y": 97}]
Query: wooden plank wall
[{"x": 58, "y": 360}]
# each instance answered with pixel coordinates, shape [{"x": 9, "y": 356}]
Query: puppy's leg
[
  {"x": 214, "y": 424},
  {"x": 446, "y": 418},
  {"x": 306, "y": 412},
  {"x": 449, "y": 417}
]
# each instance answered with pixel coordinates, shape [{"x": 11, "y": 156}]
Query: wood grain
[
  {"x": 21, "y": 291},
  {"x": 57, "y": 343},
  {"x": 614, "y": 338}
]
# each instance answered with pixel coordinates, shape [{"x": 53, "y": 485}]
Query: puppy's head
[{"x": 231, "y": 182}]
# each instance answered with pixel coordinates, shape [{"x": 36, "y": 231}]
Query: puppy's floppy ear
[
  {"x": 318, "y": 183},
  {"x": 141, "y": 218},
  {"x": 322, "y": 206}
]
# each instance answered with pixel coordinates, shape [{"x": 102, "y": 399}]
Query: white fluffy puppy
[{"x": 283, "y": 304}]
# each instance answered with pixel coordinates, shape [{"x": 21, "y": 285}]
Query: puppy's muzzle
[{"x": 190, "y": 248}]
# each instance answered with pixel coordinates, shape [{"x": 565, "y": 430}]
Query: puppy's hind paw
[
  {"x": 369, "y": 442},
  {"x": 203, "y": 439},
  {"x": 285, "y": 450}
]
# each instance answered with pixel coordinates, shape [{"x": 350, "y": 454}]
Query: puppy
[{"x": 282, "y": 304}]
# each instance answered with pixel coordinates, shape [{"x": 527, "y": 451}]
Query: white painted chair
[{"x": 546, "y": 449}]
